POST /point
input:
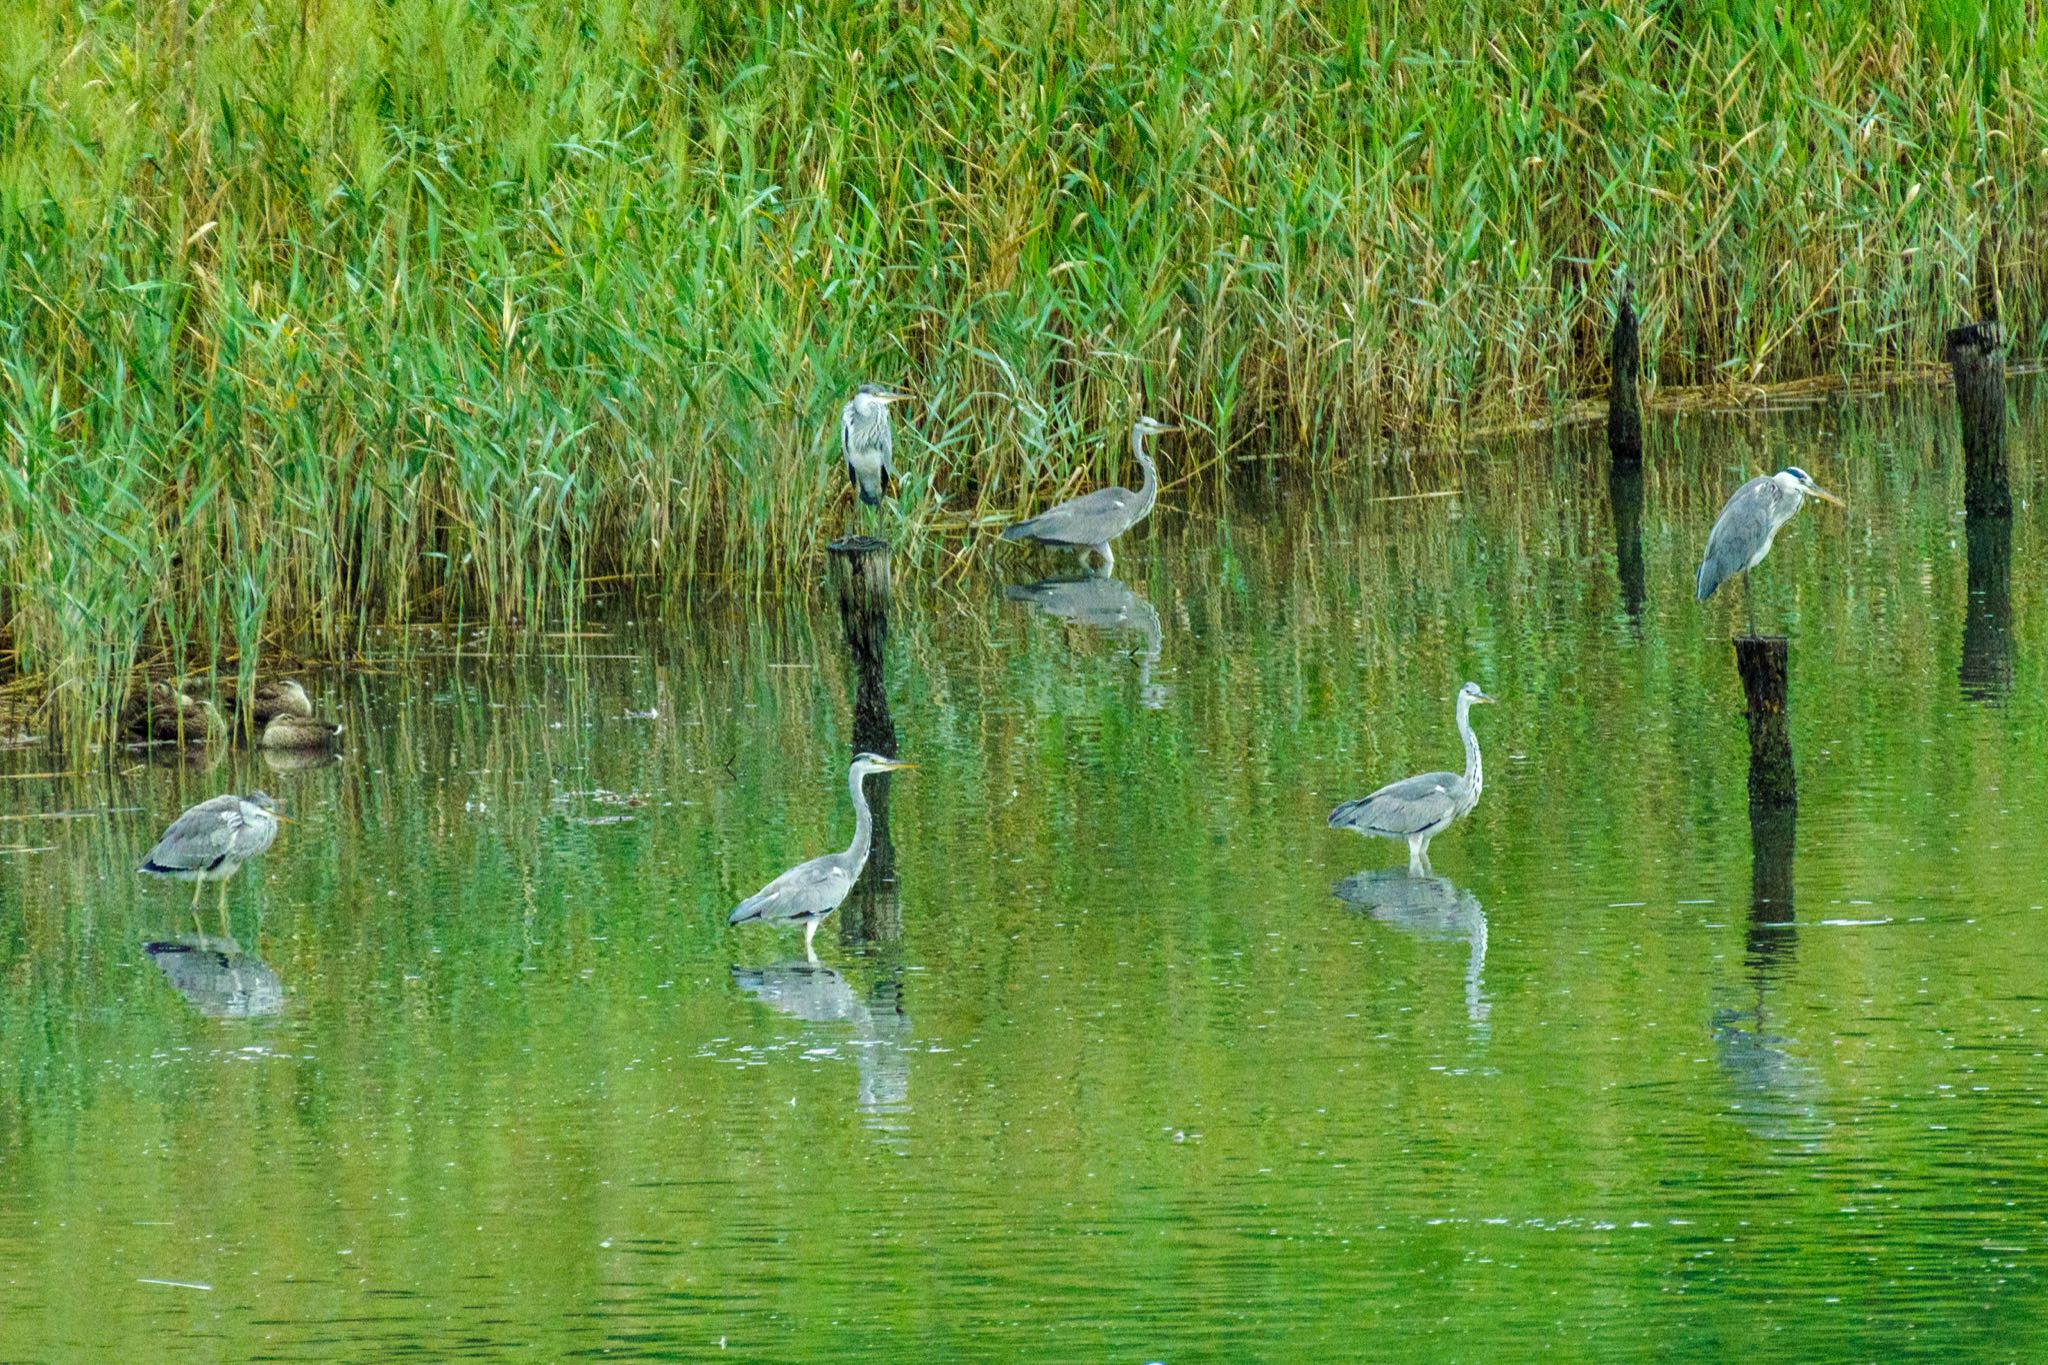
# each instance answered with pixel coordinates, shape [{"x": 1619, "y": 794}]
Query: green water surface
[{"x": 1108, "y": 1072}]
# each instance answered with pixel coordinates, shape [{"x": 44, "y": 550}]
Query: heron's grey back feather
[
  {"x": 1408, "y": 807},
  {"x": 807, "y": 891},
  {"x": 1743, "y": 533},
  {"x": 210, "y": 833},
  {"x": 1091, "y": 519}
]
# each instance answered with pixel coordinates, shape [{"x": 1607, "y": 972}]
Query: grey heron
[
  {"x": 1090, "y": 522},
  {"x": 298, "y": 732},
  {"x": 810, "y": 891},
  {"x": 1743, "y": 533},
  {"x": 211, "y": 841},
  {"x": 1417, "y": 809},
  {"x": 867, "y": 443}
]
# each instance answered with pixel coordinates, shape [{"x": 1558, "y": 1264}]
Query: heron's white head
[
  {"x": 873, "y": 400},
  {"x": 261, "y": 800},
  {"x": 1151, "y": 426},
  {"x": 863, "y": 764},
  {"x": 1797, "y": 480},
  {"x": 1471, "y": 695}
]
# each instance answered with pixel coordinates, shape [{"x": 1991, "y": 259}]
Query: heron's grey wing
[
  {"x": 199, "y": 839},
  {"x": 1089, "y": 519},
  {"x": 888, "y": 444},
  {"x": 1402, "y": 808},
  {"x": 806, "y": 890},
  {"x": 1746, "y": 523}
]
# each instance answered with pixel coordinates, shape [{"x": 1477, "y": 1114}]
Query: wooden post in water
[
  {"x": 1762, "y": 662},
  {"x": 1624, "y": 367},
  {"x": 860, "y": 577},
  {"x": 1977, "y": 361}
]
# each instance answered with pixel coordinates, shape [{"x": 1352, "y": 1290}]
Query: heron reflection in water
[
  {"x": 1105, "y": 604},
  {"x": 217, "y": 978},
  {"x": 878, "y": 1026},
  {"x": 1428, "y": 907}
]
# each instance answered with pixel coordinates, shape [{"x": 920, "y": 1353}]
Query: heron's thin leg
[
  {"x": 810, "y": 932},
  {"x": 198, "y": 885},
  {"x": 1749, "y": 601},
  {"x": 224, "y": 932}
]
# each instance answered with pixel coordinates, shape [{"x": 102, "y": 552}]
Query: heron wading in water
[
  {"x": 211, "y": 841},
  {"x": 1418, "y": 809},
  {"x": 1090, "y": 522},
  {"x": 810, "y": 891},
  {"x": 1743, "y": 533},
  {"x": 867, "y": 442}
]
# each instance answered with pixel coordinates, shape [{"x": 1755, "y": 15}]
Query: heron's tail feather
[
  {"x": 1707, "y": 581},
  {"x": 1019, "y": 531},
  {"x": 870, "y": 496},
  {"x": 1342, "y": 817},
  {"x": 750, "y": 908}
]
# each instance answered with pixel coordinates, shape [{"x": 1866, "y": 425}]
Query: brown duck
[
  {"x": 298, "y": 732},
  {"x": 168, "y": 713},
  {"x": 273, "y": 699}
]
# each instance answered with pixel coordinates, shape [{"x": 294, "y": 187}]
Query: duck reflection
[
  {"x": 1428, "y": 907},
  {"x": 878, "y": 1027},
  {"x": 217, "y": 978},
  {"x": 299, "y": 760},
  {"x": 1105, "y": 604},
  {"x": 1986, "y": 669},
  {"x": 1625, "y": 496}
]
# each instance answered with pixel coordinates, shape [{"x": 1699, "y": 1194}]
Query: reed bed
[{"x": 325, "y": 315}]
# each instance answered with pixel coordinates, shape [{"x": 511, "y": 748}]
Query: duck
[
  {"x": 281, "y": 698},
  {"x": 298, "y": 732},
  {"x": 168, "y": 713}
]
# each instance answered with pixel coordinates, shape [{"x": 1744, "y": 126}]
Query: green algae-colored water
[{"x": 1110, "y": 1071}]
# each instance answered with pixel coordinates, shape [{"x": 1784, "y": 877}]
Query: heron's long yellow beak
[
  {"x": 1490, "y": 701},
  {"x": 894, "y": 766},
  {"x": 897, "y": 397},
  {"x": 1824, "y": 495},
  {"x": 282, "y": 819}
]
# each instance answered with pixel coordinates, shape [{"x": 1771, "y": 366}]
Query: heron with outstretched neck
[
  {"x": 1743, "y": 533},
  {"x": 810, "y": 891},
  {"x": 1090, "y": 522},
  {"x": 1417, "y": 809}
]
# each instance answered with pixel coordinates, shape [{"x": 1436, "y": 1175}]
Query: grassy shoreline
[{"x": 325, "y": 316}]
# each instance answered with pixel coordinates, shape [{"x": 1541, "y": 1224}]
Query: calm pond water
[{"x": 1136, "y": 1060}]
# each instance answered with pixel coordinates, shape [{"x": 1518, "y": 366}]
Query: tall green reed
[{"x": 322, "y": 316}]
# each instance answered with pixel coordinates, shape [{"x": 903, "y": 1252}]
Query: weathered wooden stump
[
  {"x": 1624, "y": 367},
  {"x": 1762, "y": 662},
  {"x": 860, "y": 578},
  {"x": 1625, "y": 498},
  {"x": 1985, "y": 673},
  {"x": 1977, "y": 361}
]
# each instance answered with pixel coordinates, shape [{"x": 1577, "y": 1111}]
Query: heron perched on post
[
  {"x": 1088, "y": 523},
  {"x": 1743, "y": 533},
  {"x": 211, "y": 841},
  {"x": 1418, "y": 809},
  {"x": 810, "y": 891},
  {"x": 867, "y": 443}
]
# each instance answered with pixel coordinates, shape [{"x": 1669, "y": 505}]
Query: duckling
[
  {"x": 284, "y": 698},
  {"x": 166, "y": 712},
  {"x": 298, "y": 732}
]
